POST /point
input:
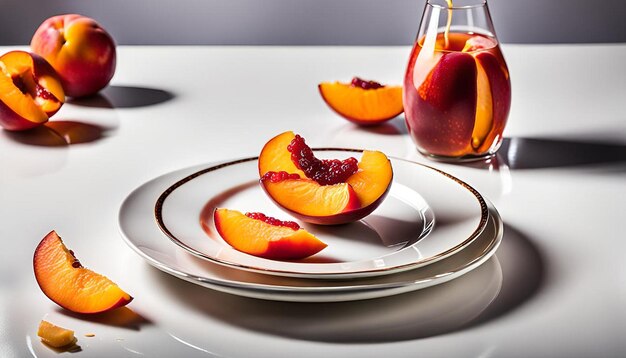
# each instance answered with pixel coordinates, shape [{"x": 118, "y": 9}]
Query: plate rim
[
  {"x": 283, "y": 292},
  {"x": 158, "y": 215}
]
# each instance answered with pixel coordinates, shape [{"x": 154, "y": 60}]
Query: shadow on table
[
  {"x": 64, "y": 132},
  {"x": 394, "y": 126},
  {"x": 539, "y": 153},
  {"x": 124, "y": 97},
  {"x": 524, "y": 271},
  {"x": 497, "y": 287},
  {"x": 122, "y": 317},
  {"x": 60, "y": 133}
]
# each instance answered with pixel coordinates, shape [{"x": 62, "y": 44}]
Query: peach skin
[
  {"x": 67, "y": 283},
  {"x": 30, "y": 91},
  {"x": 79, "y": 49}
]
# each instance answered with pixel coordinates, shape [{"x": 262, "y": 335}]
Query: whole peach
[{"x": 79, "y": 49}]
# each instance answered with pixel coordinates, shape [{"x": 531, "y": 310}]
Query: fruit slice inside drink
[{"x": 457, "y": 94}]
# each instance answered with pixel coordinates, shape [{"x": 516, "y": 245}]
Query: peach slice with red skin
[
  {"x": 30, "y": 91},
  {"x": 362, "y": 105},
  {"x": 260, "y": 238},
  {"x": 500, "y": 87},
  {"x": 311, "y": 202},
  {"x": 67, "y": 283},
  {"x": 447, "y": 97}
]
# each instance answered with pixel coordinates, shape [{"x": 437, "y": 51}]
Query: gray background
[{"x": 311, "y": 22}]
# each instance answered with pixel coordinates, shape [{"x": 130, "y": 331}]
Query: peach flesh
[
  {"x": 55, "y": 336},
  {"x": 308, "y": 198},
  {"x": 370, "y": 185},
  {"x": 62, "y": 278},
  {"x": 373, "y": 180},
  {"x": 259, "y": 238},
  {"x": 363, "y": 106},
  {"x": 30, "y": 91},
  {"x": 500, "y": 86},
  {"x": 275, "y": 156}
]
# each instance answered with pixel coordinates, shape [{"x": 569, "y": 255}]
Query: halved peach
[
  {"x": 66, "y": 282},
  {"x": 363, "y": 104},
  {"x": 266, "y": 237},
  {"x": 360, "y": 194},
  {"x": 30, "y": 90}
]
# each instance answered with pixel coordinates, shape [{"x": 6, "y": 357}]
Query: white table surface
[{"x": 559, "y": 184}]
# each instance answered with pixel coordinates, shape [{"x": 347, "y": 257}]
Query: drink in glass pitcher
[{"x": 457, "y": 91}]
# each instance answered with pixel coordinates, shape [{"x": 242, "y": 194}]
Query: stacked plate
[{"x": 430, "y": 229}]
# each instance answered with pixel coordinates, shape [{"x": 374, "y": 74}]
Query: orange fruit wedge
[
  {"x": 268, "y": 238},
  {"x": 66, "y": 282},
  {"x": 363, "y": 106},
  {"x": 360, "y": 194}
]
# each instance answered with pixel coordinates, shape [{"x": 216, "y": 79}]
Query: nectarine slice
[
  {"x": 55, "y": 336},
  {"x": 314, "y": 197},
  {"x": 66, "y": 282},
  {"x": 264, "y": 236},
  {"x": 484, "y": 108},
  {"x": 497, "y": 78},
  {"x": 484, "y": 101},
  {"x": 447, "y": 97},
  {"x": 491, "y": 79},
  {"x": 364, "y": 105},
  {"x": 30, "y": 90}
]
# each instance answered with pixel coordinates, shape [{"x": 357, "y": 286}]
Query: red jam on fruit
[
  {"x": 40, "y": 92},
  {"x": 357, "y": 82},
  {"x": 45, "y": 94},
  {"x": 276, "y": 177},
  {"x": 273, "y": 221},
  {"x": 324, "y": 172}
]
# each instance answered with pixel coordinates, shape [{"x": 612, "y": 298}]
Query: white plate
[
  {"x": 427, "y": 216},
  {"x": 140, "y": 232}
]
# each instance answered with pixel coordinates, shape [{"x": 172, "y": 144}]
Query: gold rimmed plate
[
  {"x": 140, "y": 232},
  {"x": 427, "y": 216}
]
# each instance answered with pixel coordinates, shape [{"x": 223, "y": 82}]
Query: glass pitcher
[{"x": 457, "y": 91}]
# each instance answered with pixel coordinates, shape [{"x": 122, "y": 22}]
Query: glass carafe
[{"x": 457, "y": 91}]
